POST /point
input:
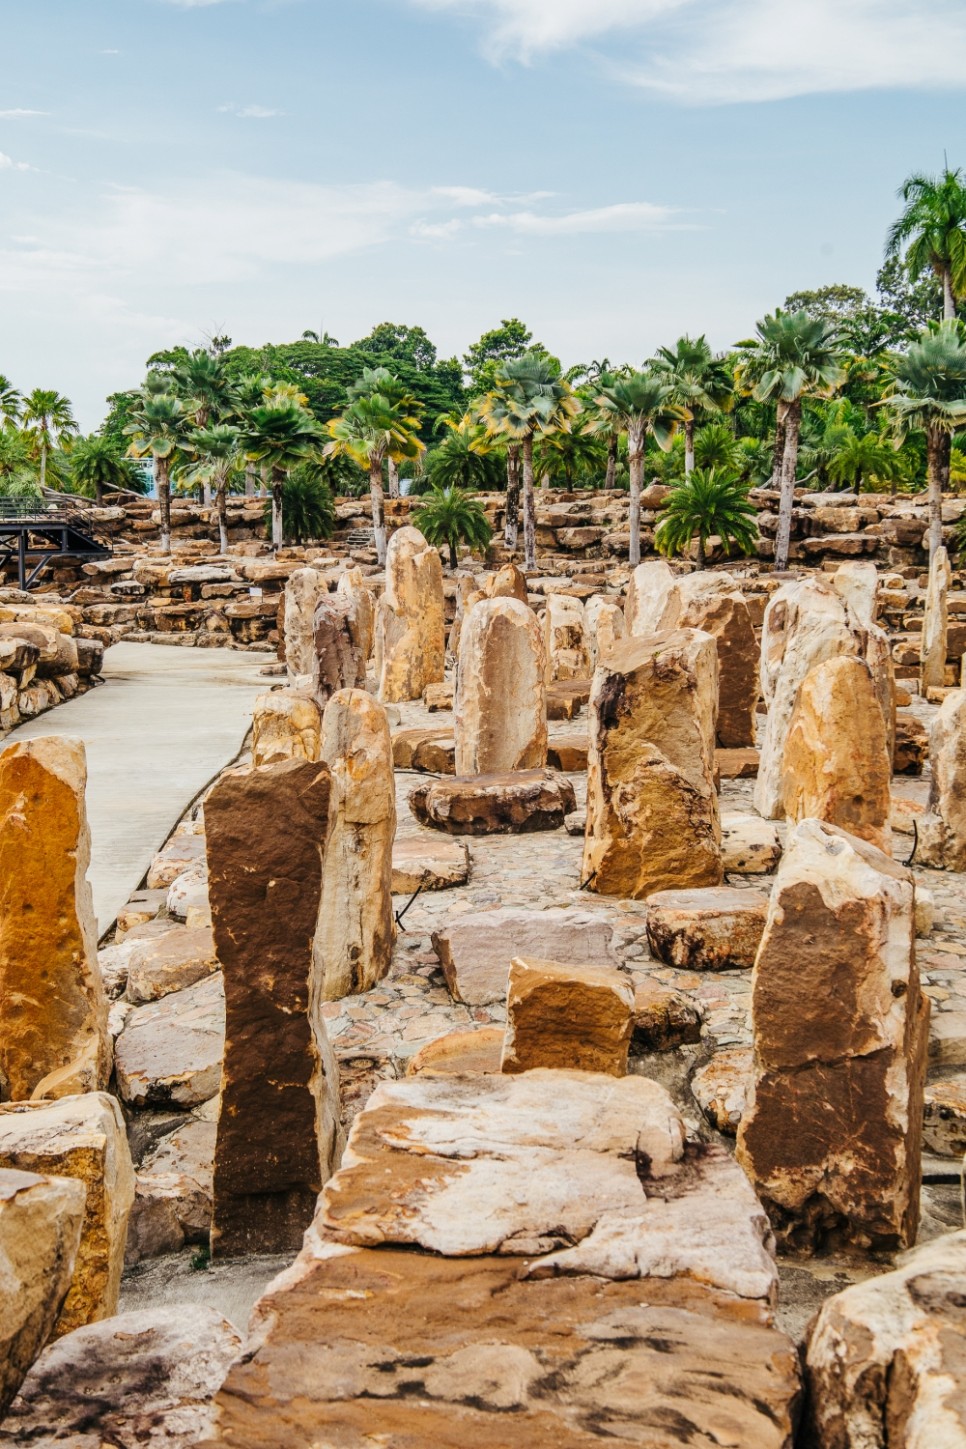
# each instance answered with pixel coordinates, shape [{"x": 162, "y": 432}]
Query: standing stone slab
[
  {"x": 580, "y": 1018},
  {"x": 475, "y": 949},
  {"x": 647, "y": 594},
  {"x": 339, "y": 660},
  {"x": 355, "y": 932},
  {"x": 604, "y": 627},
  {"x": 80, "y": 1137},
  {"x": 285, "y": 726},
  {"x": 713, "y": 602},
  {"x": 303, "y": 589},
  {"x": 277, "y": 1132},
  {"x": 832, "y": 1136},
  {"x": 352, "y": 585},
  {"x": 566, "y": 654},
  {"x": 501, "y": 705},
  {"x": 652, "y": 809},
  {"x": 942, "y": 836},
  {"x": 53, "y": 1007},
  {"x": 932, "y": 654},
  {"x": 410, "y": 628}
]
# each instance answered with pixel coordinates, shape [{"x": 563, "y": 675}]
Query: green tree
[
  {"x": 466, "y": 457},
  {"x": 857, "y": 458},
  {"x": 794, "y": 356},
  {"x": 701, "y": 384},
  {"x": 217, "y": 456},
  {"x": 641, "y": 402},
  {"x": 932, "y": 231},
  {"x": 369, "y": 430},
  {"x": 98, "y": 464},
  {"x": 49, "y": 416},
  {"x": 280, "y": 434},
  {"x": 392, "y": 339},
  {"x": 380, "y": 382},
  {"x": 158, "y": 426},
  {"x": 707, "y": 504},
  {"x": 18, "y": 470},
  {"x": 450, "y": 517},
  {"x": 501, "y": 344},
  {"x": 928, "y": 393},
  {"x": 308, "y": 512},
  {"x": 11, "y": 403}
]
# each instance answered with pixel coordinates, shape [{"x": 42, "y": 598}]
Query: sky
[{"x": 615, "y": 172}]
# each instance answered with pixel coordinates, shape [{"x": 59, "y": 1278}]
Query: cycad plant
[
  {"x": 707, "y": 504},
  {"x": 449, "y": 517},
  {"x": 308, "y": 512},
  {"x": 97, "y": 464}
]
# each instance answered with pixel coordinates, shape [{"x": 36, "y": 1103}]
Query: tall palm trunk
[
  {"x": 688, "y": 446},
  {"x": 221, "y": 507},
  {"x": 700, "y": 557},
  {"x": 938, "y": 449},
  {"x": 249, "y": 480},
  {"x": 529, "y": 506},
  {"x": 43, "y": 462},
  {"x": 393, "y": 478},
  {"x": 635, "y": 458},
  {"x": 511, "y": 527},
  {"x": 206, "y": 494},
  {"x": 164, "y": 502},
  {"x": 778, "y": 451},
  {"x": 278, "y": 489},
  {"x": 611, "y": 461},
  {"x": 949, "y": 296},
  {"x": 378, "y": 506},
  {"x": 786, "y": 502}
]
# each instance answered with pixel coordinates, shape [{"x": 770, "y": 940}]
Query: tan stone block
[
  {"x": 947, "y": 790},
  {"x": 511, "y": 804},
  {"x": 664, "y": 1019},
  {"x": 475, "y": 949},
  {"x": 169, "y": 962},
  {"x": 459, "y": 1052},
  {"x": 285, "y": 726},
  {"x": 579, "y": 1018},
  {"x": 500, "y": 704},
  {"x": 565, "y": 651},
  {"x": 430, "y": 864},
  {"x": 647, "y": 594},
  {"x": 713, "y": 602},
  {"x": 715, "y": 929},
  {"x": 410, "y": 629}
]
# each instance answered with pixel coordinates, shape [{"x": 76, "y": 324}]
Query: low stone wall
[{"x": 44, "y": 657}]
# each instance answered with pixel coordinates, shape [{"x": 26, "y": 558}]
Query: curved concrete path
[{"x": 163, "y": 723}]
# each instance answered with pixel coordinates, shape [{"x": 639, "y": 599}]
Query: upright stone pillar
[
  {"x": 278, "y": 1134},
  {"x": 565, "y": 651},
  {"x": 652, "y": 809},
  {"x": 604, "y": 627},
  {"x": 857, "y": 585},
  {"x": 713, "y": 602},
  {"x": 501, "y": 702},
  {"x": 352, "y": 585},
  {"x": 942, "y": 833},
  {"x": 303, "y": 590},
  {"x": 54, "y": 1040},
  {"x": 339, "y": 659},
  {"x": 285, "y": 726},
  {"x": 355, "y": 930},
  {"x": 409, "y": 622},
  {"x": 932, "y": 653},
  {"x": 647, "y": 593},
  {"x": 831, "y": 1137}
]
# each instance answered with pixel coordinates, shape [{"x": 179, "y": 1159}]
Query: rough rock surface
[
  {"x": 142, "y": 1380},
  {"x": 79, "y": 1137},
  {"x": 604, "y": 627},
  {"x": 172, "y": 1199},
  {"x": 40, "y": 1228},
  {"x": 565, "y": 652},
  {"x": 664, "y": 1019},
  {"x": 428, "y": 862},
  {"x": 277, "y": 1128},
  {"x": 579, "y": 1018},
  {"x": 460, "y": 1052},
  {"x": 886, "y": 1359},
  {"x": 832, "y": 1136},
  {"x": 721, "y": 1087},
  {"x": 169, "y": 962},
  {"x": 339, "y": 661},
  {"x": 169, "y": 1053},
  {"x": 647, "y": 594},
  {"x": 932, "y": 656},
  {"x": 511, "y": 804},
  {"x": 500, "y": 705},
  {"x": 944, "y": 1117},
  {"x": 355, "y": 931},
  {"x": 285, "y": 726},
  {"x": 944, "y": 844},
  {"x": 715, "y": 929},
  {"x": 410, "y": 629},
  {"x": 475, "y": 949},
  {"x": 352, "y": 585},
  {"x": 303, "y": 589},
  {"x": 713, "y": 602},
  {"x": 53, "y": 1005},
  {"x": 749, "y": 845},
  {"x": 652, "y": 809}
]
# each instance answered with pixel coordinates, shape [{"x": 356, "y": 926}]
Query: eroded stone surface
[
  {"x": 169, "y": 962},
  {"x": 303, "y": 589},
  {"x": 169, "y": 1053},
  {"x": 410, "y": 630},
  {"x": 427, "y": 862},
  {"x": 565, "y": 651},
  {"x": 749, "y": 845},
  {"x": 713, "y": 602},
  {"x": 647, "y": 593},
  {"x": 511, "y": 804},
  {"x": 501, "y": 708},
  {"x": 722, "y": 1086},
  {"x": 340, "y": 637},
  {"x": 579, "y": 1018},
  {"x": 716, "y": 929},
  {"x": 943, "y": 840},
  {"x": 285, "y": 726},
  {"x": 475, "y": 950}
]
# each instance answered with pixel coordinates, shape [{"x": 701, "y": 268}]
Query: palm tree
[
  {"x": 158, "y": 426},
  {"x": 97, "y": 463},
  {"x": 280, "y": 434},
  {"x": 793, "y": 357},
  {"x": 715, "y": 446},
  {"x": 308, "y": 511},
  {"x": 50, "y": 417},
  {"x": 928, "y": 394},
  {"x": 856, "y": 457},
  {"x": 641, "y": 402},
  {"x": 467, "y": 457},
  {"x": 218, "y": 454},
  {"x": 380, "y": 382},
  {"x": 18, "y": 477},
  {"x": 529, "y": 395},
  {"x": 11, "y": 403},
  {"x": 449, "y": 516},
  {"x": 932, "y": 228},
  {"x": 706, "y": 504},
  {"x": 369, "y": 430},
  {"x": 202, "y": 383},
  {"x": 577, "y": 455},
  {"x": 701, "y": 383}
]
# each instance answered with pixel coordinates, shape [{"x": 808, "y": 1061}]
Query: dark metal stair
[{"x": 39, "y": 531}]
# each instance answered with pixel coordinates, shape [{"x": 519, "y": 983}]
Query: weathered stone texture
[
  {"x": 715, "y": 929},
  {"x": 352, "y": 585},
  {"x": 475, "y": 949},
  {"x": 410, "y": 629},
  {"x": 579, "y": 1018},
  {"x": 932, "y": 656},
  {"x": 942, "y": 835},
  {"x": 285, "y": 726},
  {"x": 713, "y": 602},
  {"x": 500, "y": 706},
  {"x": 303, "y": 590},
  {"x": 647, "y": 593},
  {"x": 339, "y": 641},
  {"x": 510, "y": 804},
  {"x": 604, "y": 627},
  {"x": 565, "y": 655}
]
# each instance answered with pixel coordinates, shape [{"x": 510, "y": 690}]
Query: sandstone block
[
  {"x": 715, "y": 929},
  {"x": 604, "y": 627},
  {"x": 53, "y": 1005},
  {"x": 169, "y": 962},
  {"x": 352, "y": 585},
  {"x": 460, "y": 1052},
  {"x": 664, "y": 1019},
  {"x": 652, "y": 810},
  {"x": 173, "y": 1190},
  {"x": 566, "y": 698},
  {"x": 429, "y": 863},
  {"x": 579, "y": 1018},
  {"x": 944, "y": 1121},
  {"x": 169, "y": 1053},
  {"x": 749, "y": 845},
  {"x": 647, "y": 594},
  {"x": 911, "y": 749},
  {"x": 303, "y": 590},
  {"x": 713, "y": 602},
  {"x": 947, "y": 790},
  {"x": 339, "y": 639},
  {"x": 475, "y": 949},
  {"x": 565, "y": 652},
  {"x": 80, "y": 1137},
  {"x": 285, "y": 726},
  {"x": 428, "y": 751},
  {"x": 932, "y": 653},
  {"x": 568, "y": 753},
  {"x": 410, "y": 629},
  {"x": 722, "y": 1086},
  {"x": 512, "y": 804},
  {"x": 500, "y": 705},
  {"x": 178, "y": 854}
]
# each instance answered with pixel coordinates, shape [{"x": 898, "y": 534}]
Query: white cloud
[
  {"x": 622, "y": 216},
  {"x": 19, "y": 115},
  {"x": 712, "y": 51},
  {"x": 7, "y": 163},
  {"x": 251, "y": 113}
]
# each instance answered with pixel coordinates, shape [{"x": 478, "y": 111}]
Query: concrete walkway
[{"x": 163, "y": 723}]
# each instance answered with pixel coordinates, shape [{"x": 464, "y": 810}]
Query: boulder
[
  {"x": 944, "y": 1117},
  {"x": 303, "y": 590},
  {"x": 652, "y": 809},
  {"x": 715, "y": 929},
  {"x": 911, "y": 748},
  {"x": 512, "y": 804},
  {"x": 355, "y": 931},
  {"x": 410, "y": 629},
  {"x": 40, "y": 1231},
  {"x": 749, "y": 845},
  {"x": 278, "y": 1134},
  {"x": 285, "y": 726},
  {"x": 169, "y": 962},
  {"x": 664, "y": 1018},
  {"x": 460, "y": 1052},
  {"x": 832, "y": 1136},
  {"x": 173, "y": 1190},
  {"x": 53, "y": 1004},
  {"x": 604, "y": 627},
  {"x": 475, "y": 949},
  {"x": 340, "y": 638},
  {"x": 429, "y": 863},
  {"x": 169, "y": 1053},
  {"x": 722, "y": 1086},
  {"x": 428, "y": 751},
  {"x": 932, "y": 649},
  {"x": 188, "y": 893},
  {"x": 565, "y": 652},
  {"x": 80, "y": 1137},
  {"x": 857, "y": 584},
  {"x": 647, "y": 594},
  {"x": 713, "y": 602},
  {"x": 568, "y": 753},
  {"x": 500, "y": 705},
  {"x": 576, "y": 1017},
  {"x": 179, "y": 854}
]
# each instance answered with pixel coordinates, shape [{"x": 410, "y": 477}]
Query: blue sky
[{"x": 616, "y": 172}]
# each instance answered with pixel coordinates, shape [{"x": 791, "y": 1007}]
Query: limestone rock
[
  {"x": 713, "y": 602},
  {"x": 52, "y": 1000},
  {"x": 579, "y": 1018},
  {"x": 170, "y": 1051},
  {"x": 143, "y": 1380},
  {"x": 355, "y": 932},
  {"x": 40, "y": 1229},
  {"x": 173, "y": 1189},
  {"x": 652, "y": 810},
  {"x": 565, "y": 652},
  {"x": 410, "y": 630},
  {"x": 303, "y": 590},
  {"x": 566, "y": 698},
  {"x": 285, "y": 726},
  {"x": 339, "y": 641},
  {"x": 722, "y": 1086},
  {"x": 837, "y": 765},
  {"x": 500, "y": 706},
  {"x": 460, "y": 1052},
  {"x": 749, "y": 845},
  {"x": 439, "y": 698},
  {"x": 188, "y": 892},
  {"x": 80, "y": 1137},
  {"x": 277, "y": 1130},
  {"x": 716, "y": 929},
  {"x": 831, "y": 1139},
  {"x": 664, "y": 1018},
  {"x": 168, "y": 963},
  {"x": 932, "y": 655},
  {"x": 475, "y": 949},
  {"x": 886, "y": 1358},
  {"x": 512, "y": 804},
  {"x": 352, "y": 585},
  {"x": 857, "y": 584},
  {"x": 427, "y": 862},
  {"x": 647, "y": 593},
  {"x": 178, "y": 854},
  {"x": 947, "y": 789},
  {"x": 604, "y": 627}
]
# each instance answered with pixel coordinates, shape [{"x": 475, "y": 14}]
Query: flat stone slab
[
  {"x": 178, "y": 855},
  {"x": 736, "y": 764},
  {"x": 429, "y": 863},
  {"x": 716, "y": 928},
  {"x": 170, "y": 1051},
  {"x": 460, "y": 1052},
  {"x": 170, "y": 962},
  {"x": 475, "y": 949},
  {"x": 566, "y": 698},
  {"x": 568, "y": 753},
  {"x": 514, "y": 804}
]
